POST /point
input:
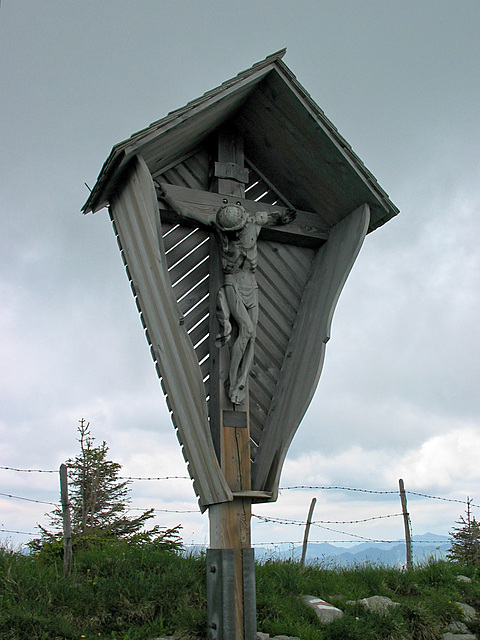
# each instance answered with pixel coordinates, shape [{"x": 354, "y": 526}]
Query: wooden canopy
[
  {"x": 288, "y": 155},
  {"x": 286, "y": 135}
]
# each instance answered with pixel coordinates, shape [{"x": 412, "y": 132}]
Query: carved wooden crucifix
[
  {"x": 191, "y": 223},
  {"x": 234, "y": 224}
]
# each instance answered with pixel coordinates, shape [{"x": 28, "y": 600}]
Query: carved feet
[{"x": 236, "y": 393}]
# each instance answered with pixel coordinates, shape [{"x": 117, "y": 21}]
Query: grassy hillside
[{"x": 125, "y": 592}]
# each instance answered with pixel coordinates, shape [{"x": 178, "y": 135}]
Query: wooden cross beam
[{"x": 306, "y": 230}]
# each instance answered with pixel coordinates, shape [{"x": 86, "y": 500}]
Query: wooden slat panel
[
  {"x": 200, "y": 331},
  {"x": 133, "y": 211},
  {"x": 267, "y": 309},
  {"x": 300, "y": 258},
  {"x": 271, "y": 346},
  {"x": 183, "y": 286},
  {"x": 196, "y": 315},
  {"x": 194, "y": 296},
  {"x": 188, "y": 263},
  {"x": 276, "y": 262},
  {"x": 256, "y": 190},
  {"x": 283, "y": 308},
  {"x": 270, "y": 198},
  {"x": 188, "y": 243},
  {"x": 199, "y": 166},
  {"x": 260, "y": 396},
  {"x": 202, "y": 350},
  {"x": 277, "y": 286},
  {"x": 175, "y": 235},
  {"x": 300, "y": 373},
  {"x": 205, "y": 367},
  {"x": 264, "y": 374}
]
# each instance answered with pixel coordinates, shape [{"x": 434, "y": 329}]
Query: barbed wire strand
[
  {"x": 302, "y": 522},
  {"x": 29, "y": 470},
  {"x": 288, "y": 488},
  {"x": 24, "y": 533},
  {"x": 8, "y": 495},
  {"x": 399, "y": 541}
]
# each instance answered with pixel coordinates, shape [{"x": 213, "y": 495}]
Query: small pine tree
[
  {"x": 99, "y": 501},
  {"x": 465, "y": 540}
]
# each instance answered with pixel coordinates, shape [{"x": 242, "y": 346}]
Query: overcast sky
[{"x": 398, "y": 397}]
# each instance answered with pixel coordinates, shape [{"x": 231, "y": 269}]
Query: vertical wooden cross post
[{"x": 230, "y": 521}]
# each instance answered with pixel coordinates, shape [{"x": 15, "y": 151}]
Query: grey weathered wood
[
  {"x": 66, "y": 519},
  {"x": 304, "y": 361},
  {"x": 306, "y": 230},
  {"x": 406, "y": 523},
  {"x": 135, "y": 212},
  {"x": 307, "y": 531}
]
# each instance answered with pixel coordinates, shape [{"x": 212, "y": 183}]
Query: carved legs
[{"x": 241, "y": 357}]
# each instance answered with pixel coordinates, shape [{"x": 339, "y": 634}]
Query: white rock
[
  {"x": 380, "y": 604},
  {"x": 325, "y": 611}
]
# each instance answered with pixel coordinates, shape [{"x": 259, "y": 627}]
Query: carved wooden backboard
[{"x": 299, "y": 277}]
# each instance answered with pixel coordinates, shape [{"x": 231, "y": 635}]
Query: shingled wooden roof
[{"x": 287, "y": 138}]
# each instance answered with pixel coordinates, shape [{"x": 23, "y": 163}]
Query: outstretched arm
[
  {"x": 281, "y": 217},
  {"x": 190, "y": 213}
]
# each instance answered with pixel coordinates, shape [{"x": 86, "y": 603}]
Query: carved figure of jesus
[{"x": 237, "y": 232}]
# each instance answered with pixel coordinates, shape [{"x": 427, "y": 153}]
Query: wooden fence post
[
  {"x": 67, "y": 525},
  {"x": 307, "y": 531},
  {"x": 406, "y": 522}
]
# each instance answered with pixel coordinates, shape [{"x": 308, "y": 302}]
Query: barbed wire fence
[{"x": 324, "y": 525}]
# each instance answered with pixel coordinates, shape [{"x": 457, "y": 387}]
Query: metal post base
[{"x": 221, "y": 594}]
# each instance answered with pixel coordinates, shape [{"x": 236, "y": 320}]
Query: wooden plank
[
  {"x": 230, "y": 151},
  {"x": 269, "y": 314},
  {"x": 202, "y": 350},
  {"x": 182, "y": 287},
  {"x": 260, "y": 397},
  {"x": 306, "y": 229},
  {"x": 175, "y": 235},
  {"x": 188, "y": 243},
  {"x": 230, "y": 524},
  {"x": 197, "y": 314},
  {"x": 134, "y": 209},
  {"x": 200, "y": 331},
  {"x": 283, "y": 308},
  {"x": 192, "y": 297},
  {"x": 263, "y": 385},
  {"x": 301, "y": 371},
  {"x": 285, "y": 276},
  {"x": 256, "y": 191},
  {"x": 189, "y": 262},
  {"x": 296, "y": 259}
]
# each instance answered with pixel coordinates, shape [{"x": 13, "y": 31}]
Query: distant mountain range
[{"x": 424, "y": 547}]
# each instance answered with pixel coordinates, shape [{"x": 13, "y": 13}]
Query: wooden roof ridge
[
  {"x": 118, "y": 151},
  {"x": 208, "y": 94},
  {"x": 235, "y": 91},
  {"x": 346, "y": 147}
]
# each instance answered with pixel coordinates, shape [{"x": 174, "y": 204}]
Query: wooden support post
[
  {"x": 307, "y": 531},
  {"x": 230, "y": 522},
  {"x": 406, "y": 522},
  {"x": 67, "y": 525}
]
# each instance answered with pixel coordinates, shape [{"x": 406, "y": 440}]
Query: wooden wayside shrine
[{"x": 238, "y": 217}]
